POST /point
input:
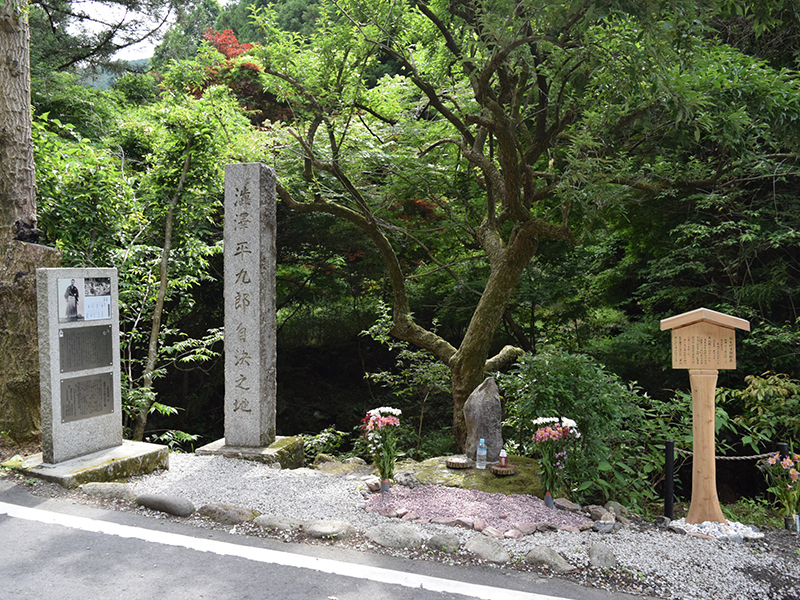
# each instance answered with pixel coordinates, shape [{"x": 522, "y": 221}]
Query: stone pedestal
[
  {"x": 129, "y": 459},
  {"x": 284, "y": 451}
]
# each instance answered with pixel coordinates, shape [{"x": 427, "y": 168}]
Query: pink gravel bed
[{"x": 497, "y": 510}]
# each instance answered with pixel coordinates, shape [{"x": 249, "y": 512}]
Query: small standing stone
[
  {"x": 564, "y": 504},
  {"x": 662, "y": 522},
  {"x": 526, "y": 528},
  {"x": 329, "y": 529},
  {"x": 492, "y": 531},
  {"x": 227, "y": 515},
  {"x": 279, "y": 523},
  {"x": 483, "y": 414},
  {"x": 606, "y": 523},
  {"x": 617, "y": 509},
  {"x": 394, "y": 536},
  {"x": 675, "y": 529},
  {"x": 109, "y": 490}
]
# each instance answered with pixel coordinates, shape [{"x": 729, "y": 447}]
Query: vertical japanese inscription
[
  {"x": 703, "y": 346},
  {"x": 243, "y": 293}
]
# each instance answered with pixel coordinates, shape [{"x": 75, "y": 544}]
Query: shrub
[
  {"x": 555, "y": 383},
  {"x": 327, "y": 441},
  {"x": 766, "y": 412}
]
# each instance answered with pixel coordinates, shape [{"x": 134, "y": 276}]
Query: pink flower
[
  {"x": 793, "y": 474},
  {"x": 787, "y": 463}
]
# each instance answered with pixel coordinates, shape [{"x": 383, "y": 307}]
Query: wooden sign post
[{"x": 704, "y": 341}]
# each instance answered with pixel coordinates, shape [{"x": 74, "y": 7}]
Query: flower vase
[
  {"x": 385, "y": 485},
  {"x": 548, "y": 500},
  {"x": 792, "y": 523}
]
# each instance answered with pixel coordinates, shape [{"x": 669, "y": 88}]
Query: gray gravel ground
[{"x": 652, "y": 562}]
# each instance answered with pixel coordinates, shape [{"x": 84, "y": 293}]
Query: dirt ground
[{"x": 9, "y": 448}]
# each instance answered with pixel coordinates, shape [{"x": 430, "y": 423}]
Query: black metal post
[
  {"x": 783, "y": 450},
  {"x": 669, "y": 483}
]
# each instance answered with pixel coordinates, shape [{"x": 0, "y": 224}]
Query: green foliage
[
  {"x": 92, "y": 113},
  {"x": 136, "y": 400},
  {"x": 620, "y": 454},
  {"x": 766, "y": 412},
  {"x": 137, "y": 88},
  {"x": 298, "y": 16},
  {"x": 175, "y": 440},
  {"x": 328, "y": 441},
  {"x": 86, "y": 202},
  {"x": 755, "y": 511},
  {"x": 555, "y": 383},
  {"x": 417, "y": 382}
]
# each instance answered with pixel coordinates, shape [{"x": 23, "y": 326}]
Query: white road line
[{"x": 272, "y": 556}]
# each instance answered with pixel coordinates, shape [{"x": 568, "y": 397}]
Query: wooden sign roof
[{"x": 704, "y": 315}]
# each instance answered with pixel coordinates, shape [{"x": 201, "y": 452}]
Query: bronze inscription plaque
[
  {"x": 84, "y": 397},
  {"x": 85, "y": 348}
]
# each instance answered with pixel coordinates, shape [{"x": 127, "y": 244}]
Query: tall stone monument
[
  {"x": 250, "y": 321},
  {"x": 704, "y": 341}
]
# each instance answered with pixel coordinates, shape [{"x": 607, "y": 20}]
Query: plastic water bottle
[{"x": 480, "y": 456}]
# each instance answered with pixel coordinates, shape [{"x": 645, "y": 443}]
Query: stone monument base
[
  {"x": 287, "y": 451},
  {"x": 120, "y": 462}
]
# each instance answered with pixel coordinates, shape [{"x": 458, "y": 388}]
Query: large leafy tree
[{"x": 547, "y": 117}]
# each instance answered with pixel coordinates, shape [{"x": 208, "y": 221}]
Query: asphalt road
[{"x": 59, "y": 550}]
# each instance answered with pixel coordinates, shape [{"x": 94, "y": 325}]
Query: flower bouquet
[
  {"x": 380, "y": 427},
  {"x": 552, "y": 437},
  {"x": 782, "y": 475}
]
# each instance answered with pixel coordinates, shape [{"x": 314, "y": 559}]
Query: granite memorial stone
[
  {"x": 250, "y": 320},
  {"x": 79, "y": 362}
]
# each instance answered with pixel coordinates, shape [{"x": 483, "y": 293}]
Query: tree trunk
[
  {"x": 469, "y": 365},
  {"x": 140, "y": 420},
  {"x": 17, "y": 175},
  {"x": 20, "y": 407}
]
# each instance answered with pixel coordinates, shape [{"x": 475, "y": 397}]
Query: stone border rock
[{"x": 399, "y": 535}]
